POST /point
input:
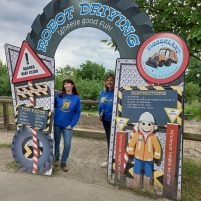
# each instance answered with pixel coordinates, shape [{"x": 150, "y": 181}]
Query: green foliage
[
  {"x": 193, "y": 110},
  {"x": 88, "y": 79},
  {"x": 191, "y": 180},
  {"x": 193, "y": 73},
  {"x": 5, "y": 146},
  {"x": 89, "y": 89},
  {"x": 91, "y": 71},
  {"x": 192, "y": 92},
  {"x": 64, "y": 73},
  {"x": 192, "y": 107},
  {"x": 4, "y": 81},
  {"x": 111, "y": 43},
  {"x": 181, "y": 17}
]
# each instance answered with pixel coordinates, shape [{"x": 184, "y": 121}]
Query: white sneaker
[{"x": 104, "y": 164}]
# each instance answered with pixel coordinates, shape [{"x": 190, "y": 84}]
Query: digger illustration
[{"x": 165, "y": 57}]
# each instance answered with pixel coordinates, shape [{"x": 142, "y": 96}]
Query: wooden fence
[
  {"x": 92, "y": 129},
  {"x": 6, "y": 124}
]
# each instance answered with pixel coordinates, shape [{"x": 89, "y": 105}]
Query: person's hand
[
  {"x": 157, "y": 162},
  {"x": 69, "y": 127},
  {"x": 130, "y": 158},
  {"x": 101, "y": 116}
]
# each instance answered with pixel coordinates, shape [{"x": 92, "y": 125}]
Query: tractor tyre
[
  {"x": 161, "y": 63},
  {"x": 168, "y": 62},
  {"x": 139, "y": 19},
  {"x": 156, "y": 58},
  {"x": 22, "y": 150}
]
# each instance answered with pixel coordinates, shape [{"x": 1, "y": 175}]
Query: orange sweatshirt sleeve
[
  {"x": 157, "y": 147},
  {"x": 132, "y": 144}
]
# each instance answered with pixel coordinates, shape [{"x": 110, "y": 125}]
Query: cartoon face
[{"x": 146, "y": 127}]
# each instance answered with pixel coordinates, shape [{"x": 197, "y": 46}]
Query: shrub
[
  {"x": 192, "y": 92},
  {"x": 193, "y": 110}
]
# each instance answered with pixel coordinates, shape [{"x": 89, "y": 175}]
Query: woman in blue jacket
[
  {"x": 105, "y": 107},
  {"x": 67, "y": 114}
]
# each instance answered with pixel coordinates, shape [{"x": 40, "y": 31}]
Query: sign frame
[
  {"x": 15, "y": 80},
  {"x": 180, "y": 70},
  {"x": 49, "y": 116},
  {"x": 122, "y": 75},
  {"x": 147, "y": 88}
]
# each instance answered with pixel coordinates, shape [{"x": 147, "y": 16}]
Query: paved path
[
  {"x": 24, "y": 187},
  {"x": 85, "y": 181}
]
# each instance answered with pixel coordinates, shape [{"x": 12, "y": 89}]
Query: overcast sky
[{"x": 16, "y": 18}]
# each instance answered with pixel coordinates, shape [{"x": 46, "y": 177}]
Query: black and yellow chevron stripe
[
  {"x": 32, "y": 91},
  {"x": 41, "y": 108},
  {"x": 157, "y": 88},
  {"x": 29, "y": 153}
]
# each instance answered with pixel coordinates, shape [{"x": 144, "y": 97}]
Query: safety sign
[
  {"x": 29, "y": 66},
  {"x": 33, "y": 102},
  {"x": 173, "y": 113}
]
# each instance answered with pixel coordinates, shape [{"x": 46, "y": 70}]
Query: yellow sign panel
[
  {"x": 173, "y": 113},
  {"x": 121, "y": 122}
]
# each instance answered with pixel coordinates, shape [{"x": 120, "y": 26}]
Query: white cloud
[
  {"x": 16, "y": 18},
  {"x": 85, "y": 44}
]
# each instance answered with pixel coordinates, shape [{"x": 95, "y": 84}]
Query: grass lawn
[
  {"x": 194, "y": 109},
  {"x": 191, "y": 181}
]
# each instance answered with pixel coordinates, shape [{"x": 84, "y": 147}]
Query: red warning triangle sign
[{"x": 29, "y": 66}]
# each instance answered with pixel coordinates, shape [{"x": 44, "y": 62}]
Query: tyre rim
[{"x": 27, "y": 148}]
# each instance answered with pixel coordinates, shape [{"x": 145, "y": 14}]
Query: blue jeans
[{"x": 67, "y": 135}]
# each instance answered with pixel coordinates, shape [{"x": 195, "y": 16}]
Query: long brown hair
[
  {"x": 74, "y": 90},
  {"x": 106, "y": 77}
]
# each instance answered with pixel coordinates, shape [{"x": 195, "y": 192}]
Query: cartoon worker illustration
[{"x": 146, "y": 149}]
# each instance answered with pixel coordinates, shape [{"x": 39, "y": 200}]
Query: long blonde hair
[{"x": 106, "y": 77}]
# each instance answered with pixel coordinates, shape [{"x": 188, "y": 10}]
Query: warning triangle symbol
[
  {"x": 29, "y": 66},
  {"x": 121, "y": 122},
  {"x": 173, "y": 113}
]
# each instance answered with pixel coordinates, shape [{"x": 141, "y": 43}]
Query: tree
[
  {"x": 192, "y": 92},
  {"x": 91, "y": 71},
  {"x": 193, "y": 73},
  {"x": 89, "y": 79},
  {"x": 4, "y": 81},
  {"x": 64, "y": 73},
  {"x": 182, "y": 17},
  {"x": 89, "y": 89}
]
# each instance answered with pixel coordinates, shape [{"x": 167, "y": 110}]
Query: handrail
[
  {"x": 8, "y": 99},
  {"x": 5, "y": 100}
]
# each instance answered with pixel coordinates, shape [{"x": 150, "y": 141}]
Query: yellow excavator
[{"x": 165, "y": 57}]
